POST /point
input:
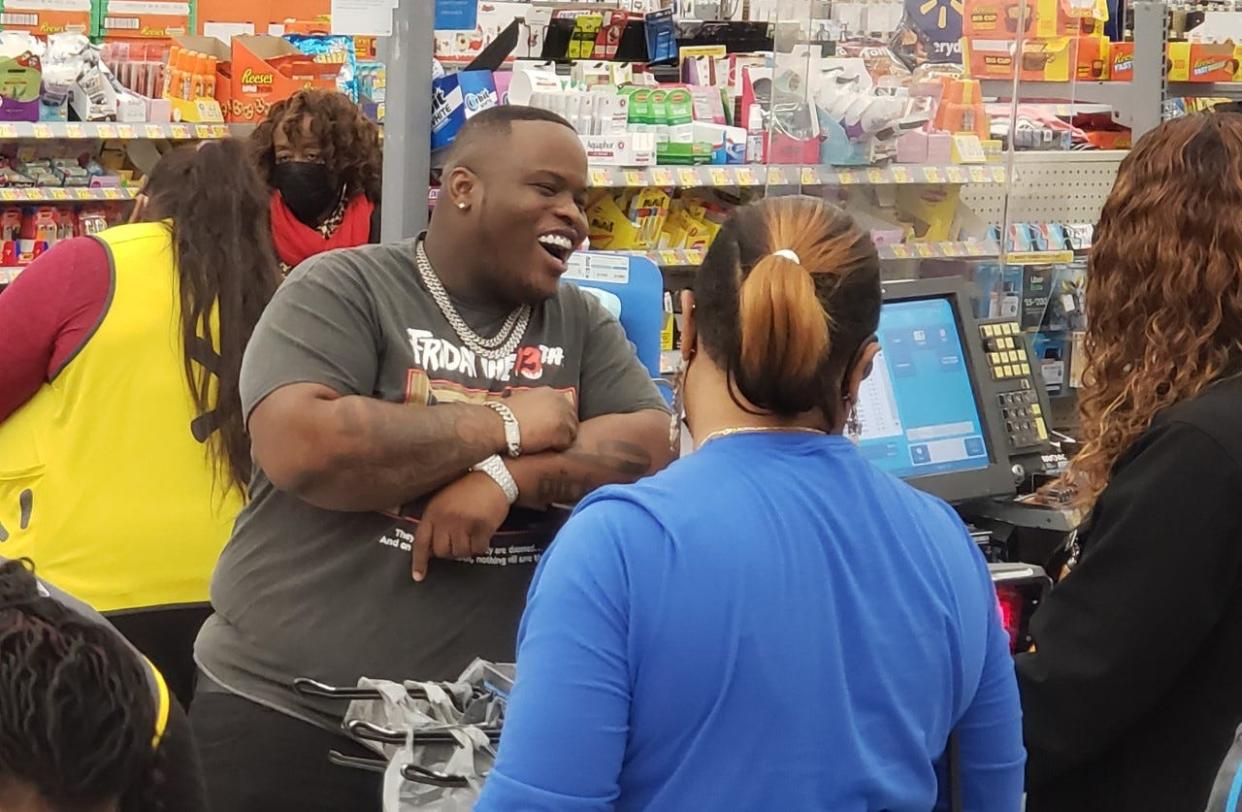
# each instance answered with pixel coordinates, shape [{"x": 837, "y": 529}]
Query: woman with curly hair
[
  {"x": 321, "y": 159},
  {"x": 86, "y": 722},
  {"x": 1134, "y": 688}
]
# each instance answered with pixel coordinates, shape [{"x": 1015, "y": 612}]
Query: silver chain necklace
[{"x": 499, "y": 346}]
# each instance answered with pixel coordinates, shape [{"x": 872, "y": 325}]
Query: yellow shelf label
[
  {"x": 901, "y": 251},
  {"x": 902, "y": 175},
  {"x": 75, "y": 131},
  {"x": 932, "y": 174},
  {"x": 601, "y": 177},
  {"x": 955, "y": 174},
  {"x": 746, "y": 177},
  {"x": 59, "y": 194},
  {"x": 204, "y": 131},
  {"x": 810, "y": 176},
  {"x": 776, "y": 176},
  {"x": 43, "y": 131},
  {"x": 877, "y": 176},
  {"x": 179, "y": 131},
  {"x": 86, "y": 194},
  {"x": 154, "y": 131},
  {"x": 1039, "y": 257},
  {"x": 635, "y": 177},
  {"x": 719, "y": 176},
  {"x": 126, "y": 131},
  {"x": 925, "y": 250},
  {"x": 686, "y": 176},
  {"x": 106, "y": 130},
  {"x": 998, "y": 174},
  {"x": 113, "y": 194},
  {"x": 979, "y": 174},
  {"x": 662, "y": 176},
  {"x": 10, "y": 194},
  {"x": 8, "y": 130}
]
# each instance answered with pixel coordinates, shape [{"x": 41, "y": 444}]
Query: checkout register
[{"x": 956, "y": 407}]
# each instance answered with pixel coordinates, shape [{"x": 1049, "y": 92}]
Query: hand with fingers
[{"x": 459, "y": 521}]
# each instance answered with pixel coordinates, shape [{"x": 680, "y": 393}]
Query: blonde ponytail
[{"x": 784, "y": 335}]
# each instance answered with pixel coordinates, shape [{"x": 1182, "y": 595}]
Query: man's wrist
[{"x": 494, "y": 468}]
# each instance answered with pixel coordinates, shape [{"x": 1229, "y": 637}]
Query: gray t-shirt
[{"x": 301, "y": 591}]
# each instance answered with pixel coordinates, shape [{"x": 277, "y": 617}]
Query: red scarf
[{"x": 295, "y": 241}]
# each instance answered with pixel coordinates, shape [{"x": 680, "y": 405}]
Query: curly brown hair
[
  {"x": 348, "y": 142},
  {"x": 1164, "y": 290}
]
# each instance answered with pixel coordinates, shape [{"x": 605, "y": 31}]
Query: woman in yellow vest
[{"x": 123, "y": 455}]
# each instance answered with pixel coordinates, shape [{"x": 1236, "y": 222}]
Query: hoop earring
[
  {"x": 679, "y": 406},
  {"x": 853, "y": 425}
]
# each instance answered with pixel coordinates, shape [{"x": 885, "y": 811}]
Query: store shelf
[
  {"x": 1213, "y": 90},
  {"x": 7, "y": 275},
  {"x": 669, "y": 257},
  {"x": 89, "y": 130},
  {"x": 1121, "y": 97},
  {"x": 57, "y": 194},
  {"x": 743, "y": 176},
  {"x": 975, "y": 249},
  {"x": 941, "y": 250}
]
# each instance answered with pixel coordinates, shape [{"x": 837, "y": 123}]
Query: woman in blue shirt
[{"x": 772, "y": 623}]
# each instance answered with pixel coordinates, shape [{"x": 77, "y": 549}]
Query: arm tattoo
[{"x": 610, "y": 461}]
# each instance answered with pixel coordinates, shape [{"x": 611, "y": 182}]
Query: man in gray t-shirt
[{"x": 387, "y": 389}]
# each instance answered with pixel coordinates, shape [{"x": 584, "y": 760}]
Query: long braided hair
[{"x": 77, "y": 715}]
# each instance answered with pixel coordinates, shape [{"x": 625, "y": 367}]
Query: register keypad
[{"x": 1010, "y": 366}]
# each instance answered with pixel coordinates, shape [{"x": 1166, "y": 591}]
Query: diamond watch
[
  {"x": 495, "y": 468},
  {"x": 513, "y": 433}
]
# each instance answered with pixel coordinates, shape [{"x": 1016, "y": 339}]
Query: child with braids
[{"x": 86, "y": 723}]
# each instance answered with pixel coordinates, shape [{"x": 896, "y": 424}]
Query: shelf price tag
[
  {"x": 106, "y": 130},
  {"x": 932, "y": 174},
  {"x": 112, "y": 193},
  {"x": 719, "y": 176},
  {"x": 219, "y": 131},
  {"x": 925, "y": 250},
  {"x": 746, "y": 176},
  {"x": 998, "y": 174},
  {"x": 59, "y": 194},
  {"x": 776, "y": 176},
  {"x": 902, "y": 175},
  {"x": 601, "y": 177},
  {"x": 686, "y": 176},
  {"x": 876, "y": 175},
  {"x": 204, "y": 131},
  {"x": 635, "y": 177},
  {"x": 955, "y": 174},
  {"x": 8, "y": 130},
  {"x": 35, "y": 194},
  {"x": 43, "y": 131},
  {"x": 810, "y": 176},
  {"x": 975, "y": 249},
  {"x": 901, "y": 251},
  {"x": 10, "y": 194},
  {"x": 979, "y": 174},
  {"x": 85, "y": 194},
  {"x": 847, "y": 177},
  {"x": 75, "y": 131},
  {"x": 126, "y": 131},
  {"x": 668, "y": 257},
  {"x": 154, "y": 131},
  {"x": 179, "y": 131},
  {"x": 662, "y": 176}
]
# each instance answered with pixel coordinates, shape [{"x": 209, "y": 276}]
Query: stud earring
[{"x": 462, "y": 205}]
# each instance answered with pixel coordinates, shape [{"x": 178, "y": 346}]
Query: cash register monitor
[{"x": 926, "y": 413}]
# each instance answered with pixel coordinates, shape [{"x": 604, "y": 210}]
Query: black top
[{"x": 1133, "y": 694}]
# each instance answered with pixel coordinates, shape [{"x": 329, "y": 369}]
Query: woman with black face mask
[{"x": 321, "y": 159}]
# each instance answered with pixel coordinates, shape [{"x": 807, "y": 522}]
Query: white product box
[{"x": 630, "y": 149}]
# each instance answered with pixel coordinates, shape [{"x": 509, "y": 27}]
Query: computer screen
[
  {"x": 924, "y": 409},
  {"x": 917, "y": 407}
]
